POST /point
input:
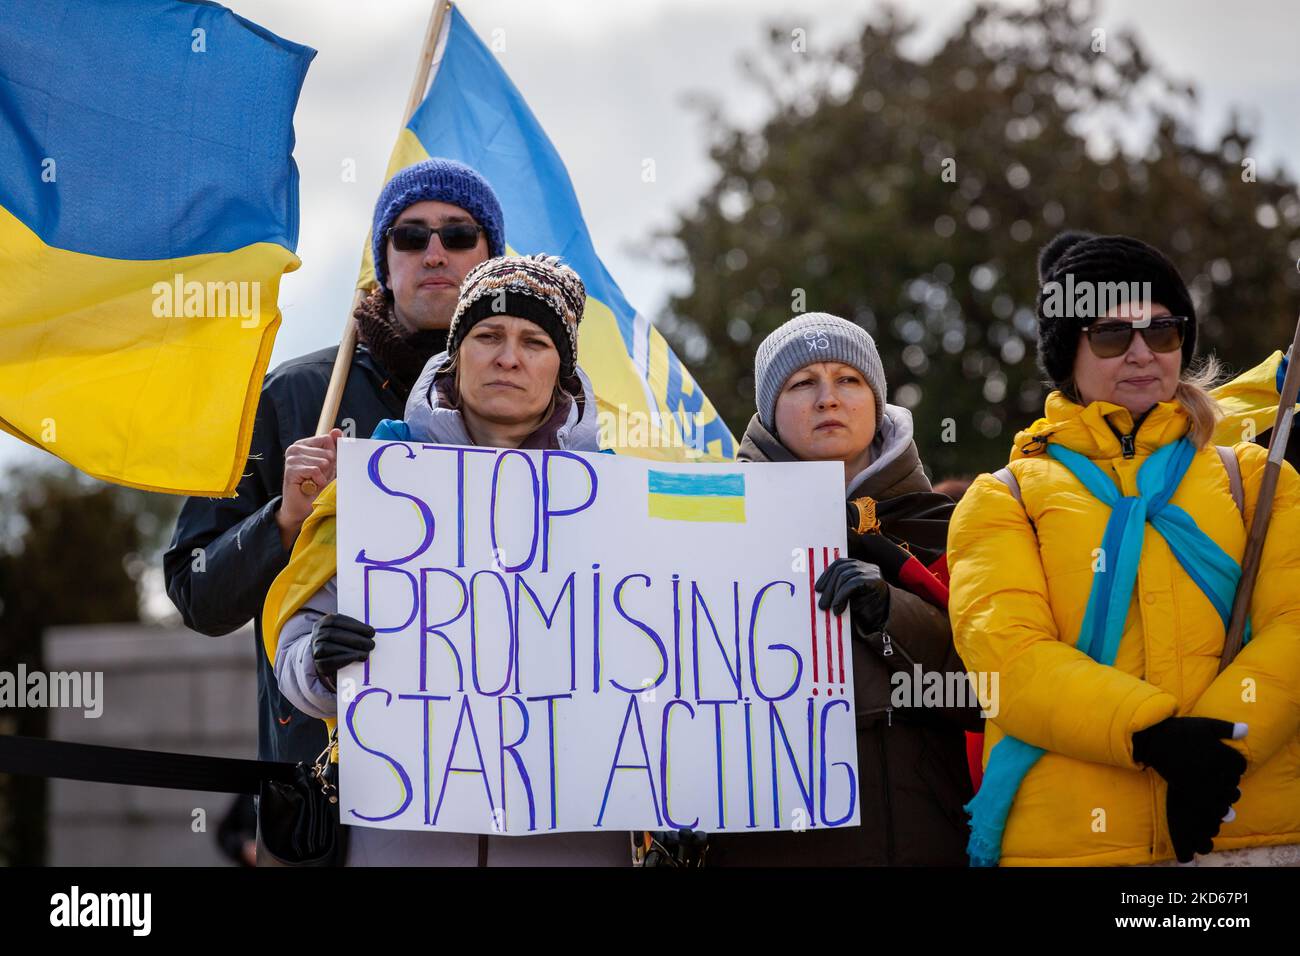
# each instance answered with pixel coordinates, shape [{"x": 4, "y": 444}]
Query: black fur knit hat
[{"x": 1073, "y": 258}]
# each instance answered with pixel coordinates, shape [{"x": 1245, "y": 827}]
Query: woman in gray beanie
[{"x": 820, "y": 388}]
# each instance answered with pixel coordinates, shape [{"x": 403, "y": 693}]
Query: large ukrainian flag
[
  {"x": 473, "y": 113},
  {"x": 148, "y": 207},
  {"x": 1250, "y": 401}
]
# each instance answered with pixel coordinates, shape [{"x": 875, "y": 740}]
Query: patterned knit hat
[
  {"x": 444, "y": 180},
  {"x": 539, "y": 288}
]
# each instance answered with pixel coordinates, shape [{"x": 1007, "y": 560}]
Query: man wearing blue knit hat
[
  {"x": 421, "y": 277},
  {"x": 433, "y": 222}
]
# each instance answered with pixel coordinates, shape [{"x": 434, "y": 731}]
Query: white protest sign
[{"x": 590, "y": 642}]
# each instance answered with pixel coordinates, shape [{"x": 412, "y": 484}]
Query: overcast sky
[{"x": 608, "y": 81}]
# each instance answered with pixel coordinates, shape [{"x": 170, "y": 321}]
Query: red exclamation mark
[
  {"x": 830, "y": 676},
  {"x": 812, "y": 616},
  {"x": 839, "y": 634}
]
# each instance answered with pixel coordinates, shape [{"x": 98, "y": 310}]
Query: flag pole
[
  {"x": 347, "y": 345},
  {"x": 1277, "y": 445}
]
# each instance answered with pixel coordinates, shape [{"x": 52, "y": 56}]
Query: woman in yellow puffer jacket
[{"x": 1115, "y": 739}]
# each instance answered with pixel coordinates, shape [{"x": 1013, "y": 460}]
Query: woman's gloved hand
[
  {"x": 1191, "y": 750},
  {"x": 338, "y": 640},
  {"x": 859, "y": 585},
  {"x": 1203, "y": 775},
  {"x": 1195, "y": 820}
]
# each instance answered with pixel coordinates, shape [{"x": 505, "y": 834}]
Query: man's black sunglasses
[{"x": 414, "y": 236}]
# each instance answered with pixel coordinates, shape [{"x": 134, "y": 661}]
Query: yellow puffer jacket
[{"x": 1018, "y": 595}]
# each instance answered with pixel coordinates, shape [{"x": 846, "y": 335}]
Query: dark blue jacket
[{"x": 236, "y": 542}]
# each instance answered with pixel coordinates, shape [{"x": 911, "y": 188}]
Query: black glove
[
  {"x": 1202, "y": 772},
  {"x": 338, "y": 640},
  {"x": 1190, "y": 750},
  {"x": 856, "y": 584},
  {"x": 1194, "y": 820}
]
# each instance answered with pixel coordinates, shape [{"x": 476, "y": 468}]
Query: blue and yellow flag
[
  {"x": 684, "y": 496},
  {"x": 1250, "y": 401},
  {"x": 650, "y": 405},
  {"x": 148, "y": 208}
]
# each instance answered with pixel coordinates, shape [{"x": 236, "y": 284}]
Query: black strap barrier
[{"x": 34, "y": 756}]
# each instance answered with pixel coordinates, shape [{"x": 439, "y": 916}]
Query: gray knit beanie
[{"x": 807, "y": 339}]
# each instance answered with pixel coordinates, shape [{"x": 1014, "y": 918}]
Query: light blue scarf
[{"x": 1212, "y": 568}]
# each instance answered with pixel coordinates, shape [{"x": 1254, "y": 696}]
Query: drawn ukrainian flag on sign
[
  {"x": 148, "y": 208},
  {"x": 474, "y": 113},
  {"x": 679, "y": 496}
]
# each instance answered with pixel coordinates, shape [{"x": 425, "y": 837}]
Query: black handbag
[
  {"x": 298, "y": 818},
  {"x": 679, "y": 849}
]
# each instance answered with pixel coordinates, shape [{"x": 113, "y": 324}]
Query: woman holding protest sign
[
  {"x": 1118, "y": 740},
  {"x": 821, "y": 397},
  {"x": 509, "y": 379}
]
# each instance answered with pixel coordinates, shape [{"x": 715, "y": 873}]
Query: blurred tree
[
  {"x": 72, "y": 551},
  {"x": 911, "y": 195}
]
